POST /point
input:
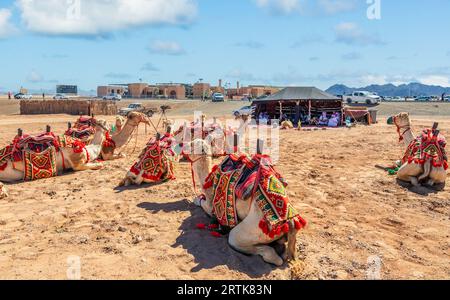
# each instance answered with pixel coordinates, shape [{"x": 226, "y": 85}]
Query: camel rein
[{"x": 406, "y": 127}]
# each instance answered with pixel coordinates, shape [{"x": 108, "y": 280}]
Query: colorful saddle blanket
[
  {"x": 243, "y": 177},
  {"x": 40, "y": 165},
  {"x": 156, "y": 161},
  {"x": 37, "y": 144},
  {"x": 427, "y": 147},
  {"x": 82, "y": 134}
]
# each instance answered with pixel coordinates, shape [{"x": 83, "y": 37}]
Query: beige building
[
  {"x": 201, "y": 90},
  {"x": 103, "y": 91}
]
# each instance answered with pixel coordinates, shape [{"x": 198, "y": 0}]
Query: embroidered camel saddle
[
  {"x": 428, "y": 146},
  {"x": 242, "y": 177},
  {"x": 38, "y": 153},
  {"x": 83, "y": 129},
  {"x": 156, "y": 161}
]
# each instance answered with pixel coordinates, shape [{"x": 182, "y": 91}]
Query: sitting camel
[
  {"x": 155, "y": 163},
  {"x": 122, "y": 137},
  {"x": 425, "y": 158},
  {"x": 63, "y": 154},
  {"x": 249, "y": 197}
]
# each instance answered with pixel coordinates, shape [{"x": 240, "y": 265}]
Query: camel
[
  {"x": 155, "y": 163},
  {"x": 121, "y": 138},
  {"x": 247, "y": 235},
  {"x": 67, "y": 158},
  {"x": 120, "y": 121},
  {"x": 420, "y": 169}
]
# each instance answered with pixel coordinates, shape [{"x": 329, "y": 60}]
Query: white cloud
[
  {"x": 166, "y": 47},
  {"x": 94, "y": 17},
  {"x": 351, "y": 34},
  {"x": 440, "y": 80},
  {"x": 304, "y": 6},
  {"x": 6, "y": 27},
  {"x": 280, "y": 6},
  {"x": 337, "y": 6}
]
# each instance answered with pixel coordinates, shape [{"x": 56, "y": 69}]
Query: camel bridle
[{"x": 406, "y": 128}]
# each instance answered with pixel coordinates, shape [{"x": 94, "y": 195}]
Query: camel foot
[
  {"x": 269, "y": 255},
  {"x": 414, "y": 181}
]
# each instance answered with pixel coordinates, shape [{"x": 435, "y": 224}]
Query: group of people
[{"x": 333, "y": 120}]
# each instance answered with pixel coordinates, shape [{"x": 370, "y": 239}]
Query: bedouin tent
[{"x": 298, "y": 102}]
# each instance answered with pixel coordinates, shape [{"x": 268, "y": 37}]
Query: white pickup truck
[{"x": 362, "y": 97}]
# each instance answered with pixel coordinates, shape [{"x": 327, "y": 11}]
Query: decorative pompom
[
  {"x": 213, "y": 227},
  {"x": 216, "y": 234},
  {"x": 285, "y": 228},
  {"x": 201, "y": 226}
]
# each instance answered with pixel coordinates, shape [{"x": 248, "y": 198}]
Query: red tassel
[
  {"x": 216, "y": 234},
  {"x": 213, "y": 227},
  {"x": 285, "y": 228},
  {"x": 201, "y": 226}
]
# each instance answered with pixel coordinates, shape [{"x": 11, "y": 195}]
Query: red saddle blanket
[
  {"x": 427, "y": 147},
  {"x": 156, "y": 161},
  {"x": 40, "y": 165},
  {"x": 235, "y": 177}
]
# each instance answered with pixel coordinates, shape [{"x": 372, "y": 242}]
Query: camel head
[
  {"x": 102, "y": 125},
  {"x": 401, "y": 120},
  {"x": 197, "y": 150},
  {"x": 120, "y": 121},
  {"x": 403, "y": 124},
  {"x": 3, "y": 192},
  {"x": 135, "y": 118}
]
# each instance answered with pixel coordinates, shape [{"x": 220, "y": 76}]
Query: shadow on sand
[
  {"x": 121, "y": 189},
  {"x": 209, "y": 252},
  {"x": 422, "y": 190}
]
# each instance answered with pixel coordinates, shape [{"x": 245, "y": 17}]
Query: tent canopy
[{"x": 299, "y": 93}]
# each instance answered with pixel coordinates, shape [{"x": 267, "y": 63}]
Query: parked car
[
  {"x": 60, "y": 97},
  {"x": 113, "y": 97},
  {"x": 423, "y": 99},
  {"x": 245, "y": 111},
  {"x": 22, "y": 96},
  {"x": 218, "y": 97},
  {"x": 447, "y": 99},
  {"x": 363, "y": 97},
  {"x": 136, "y": 107}
]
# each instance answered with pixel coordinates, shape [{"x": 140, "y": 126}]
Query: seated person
[
  {"x": 323, "y": 120},
  {"x": 314, "y": 121},
  {"x": 334, "y": 120}
]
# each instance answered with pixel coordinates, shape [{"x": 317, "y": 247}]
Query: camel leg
[
  {"x": 409, "y": 173},
  {"x": 139, "y": 179},
  {"x": 248, "y": 238},
  {"x": 206, "y": 205},
  {"x": 88, "y": 166}
]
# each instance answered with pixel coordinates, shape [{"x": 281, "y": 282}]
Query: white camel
[
  {"x": 67, "y": 158},
  {"x": 247, "y": 237},
  {"x": 413, "y": 171}
]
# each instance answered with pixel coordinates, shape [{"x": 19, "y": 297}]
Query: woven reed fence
[{"x": 70, "y": 107}]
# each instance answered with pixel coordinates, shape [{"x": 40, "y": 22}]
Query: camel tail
[
  {"x": 427, "y": 170},
  {"x": 292, "y": 241}
]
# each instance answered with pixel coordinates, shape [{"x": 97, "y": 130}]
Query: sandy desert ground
[{"x": 355, "y": 212}]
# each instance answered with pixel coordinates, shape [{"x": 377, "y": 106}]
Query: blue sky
[{"x": 274, "y": 42}]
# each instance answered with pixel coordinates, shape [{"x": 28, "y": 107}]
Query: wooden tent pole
[
  {"x": 281, "y": 110},
  {"x": 309, "y": 109},
  {"x": 297, "y": 113}
]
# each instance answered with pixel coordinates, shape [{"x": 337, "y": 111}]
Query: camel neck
[
  {"x": 98, "y": 137},
  {"x": 408, "y": 136},
  {"x": 202, "y": 168},
  {"x": 124, "y": 135}
]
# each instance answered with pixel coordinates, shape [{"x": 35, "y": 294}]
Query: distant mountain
[{"x": 390, "y": 90}]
